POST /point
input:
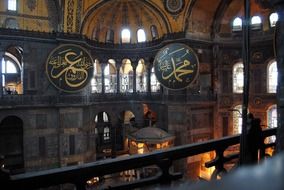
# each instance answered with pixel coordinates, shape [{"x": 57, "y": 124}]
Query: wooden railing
[{"x": 78, "y": 175}]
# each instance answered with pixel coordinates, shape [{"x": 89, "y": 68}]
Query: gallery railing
[
  {"x": 163, "y": 159},
  {"x": 29, "y": 100}
]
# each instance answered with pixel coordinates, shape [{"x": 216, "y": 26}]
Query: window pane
[
  {"x": 272, "y": 120},
  {"x": 272, "y": 77},
  {"x": 272, "y": 116},
  {"x": 255, "y": 20},
  {"x": 155, "y": 84},
  {"x": 237, "y": 24},
  {"x": 125, "y": 36},
  {"x": 238, "y": 78},
  {"x": 12, "y": 5},
  {"x": 8, "y": 67},
  {"x": 237, "y": 120},
  {"x": 141, "y": 36},
  {"x": 273, "y": 18},
  {"x": 154, "y": 32}
]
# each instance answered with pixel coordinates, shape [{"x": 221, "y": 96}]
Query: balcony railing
[
  {"x": 29, "y": 100},
  {"x": 163, "y": 159}
]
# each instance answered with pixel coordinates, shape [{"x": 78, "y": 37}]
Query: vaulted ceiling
[
  {"x": 197, "y": 18},
  {"x": 200, "y": 18}
]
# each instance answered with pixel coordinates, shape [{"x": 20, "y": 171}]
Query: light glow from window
[
  {"x": 141, "y": 36},
  {"x": 237, "y": 24},
  {"x": 12, "y": 5},
  {"x": 273, "y": 18},
  {"x": 238, "y": 78},
  {"x": 8, "y": 67},
  {"x": 272, "y": 77},
  {"x": 125, "y": 36},
  {"x": 255, "y": 20}
]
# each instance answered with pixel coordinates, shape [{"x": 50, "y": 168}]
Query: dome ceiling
[
  {"x": 116, "y": 15},
  {"x": 103, "y": 20}
]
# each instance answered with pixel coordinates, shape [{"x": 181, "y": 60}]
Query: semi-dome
[{"x": 105, "y": 21}]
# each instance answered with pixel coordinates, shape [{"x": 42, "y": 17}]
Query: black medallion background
[
  {"x": 69, "y": 67},
  {"x": 176, "y": 66}
]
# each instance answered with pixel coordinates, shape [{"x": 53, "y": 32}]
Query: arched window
[
  {"x": 126, "y": 76},
  {"x": 12, "y": 5},
  {"x": 106, "y": 133},
  {"x": 238, "y": 78},
  {"x": 11, "y": 75},
  {"x": 125, "y": 36},
  {"x": 8, "y": 67},
  {"x": 110, "y": 77},
  {"x": 237, "y": 24},
  {"x": 155, "y": 84},
  {"x": 272, "y": 75},
  {"x": 102, "y": 117},
  {"x": 96, "y": 82},
  {"x": 141, "y": 77},
  {"x": 272, "y": 116},
  {"x": 96, "y": 33},
  {"x": 110, "y": 36},
  {"x": 154, "y": 32},
  {"x": 141, "y": 36},
  {"x": 237, "y": 119},
  {"x": 273, "y": 18},
  {"x": 256, "y": 22},
  {"x": 272, "y": 120}
]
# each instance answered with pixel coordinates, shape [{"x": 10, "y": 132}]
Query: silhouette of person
[
  {"x": 4, "y": 173},
  {"x": 254, "y": 140}
]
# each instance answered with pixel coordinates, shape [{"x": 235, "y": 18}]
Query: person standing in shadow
[
  {"x": 254, "y": 140},
  {"x": 4, "y": 173}
]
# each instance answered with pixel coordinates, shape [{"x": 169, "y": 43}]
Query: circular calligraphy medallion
[
  {"x": 69, "y": 67},
  {"x": 174, "y": 6},
  {"x": 176, "y": 66}
]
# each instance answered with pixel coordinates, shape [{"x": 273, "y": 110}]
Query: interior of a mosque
[{"x": 44, "y": 125}]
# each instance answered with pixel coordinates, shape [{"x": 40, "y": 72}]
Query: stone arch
[{"x": 11, "y": 143}]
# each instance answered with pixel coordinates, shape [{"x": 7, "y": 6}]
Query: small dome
[{"x": 151, "y": 134}]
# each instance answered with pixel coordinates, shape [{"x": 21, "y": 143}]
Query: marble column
[
  {"x": 134, "y": 66},
  {"x": 103, "y": 65},
  {"x": 117, "y": 66},
  {"x": 148, "y": 67}
]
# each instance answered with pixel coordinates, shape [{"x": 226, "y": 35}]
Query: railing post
[
  {"x": 218, "y": 162},
  {"x": 165, "y": 165},
  {"x": 262, "y": 147},
  {"x": 246, "y": 60}
]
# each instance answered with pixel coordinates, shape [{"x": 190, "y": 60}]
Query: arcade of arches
[{"x": 123, "y": 94}]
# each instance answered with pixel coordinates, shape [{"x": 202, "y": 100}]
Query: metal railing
[
  {"x": 163, "y": 159},
  {"x": 39, "y": 100}
]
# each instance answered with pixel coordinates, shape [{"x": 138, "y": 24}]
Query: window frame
[
  {"x": 269, "y": 19},
  {"x": 14, "y": 6},
  {"x": 122, "y": 37},
  {"x": 237, "y": 28},
  {"x": 234, "y": 78},
  {"x": 268, "y": 79},
  {"x": 144, "y": 33}
]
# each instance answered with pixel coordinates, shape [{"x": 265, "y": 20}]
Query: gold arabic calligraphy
[
  {"x": 71, "y": 67},
  {"x": 178, "y": 69}
]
